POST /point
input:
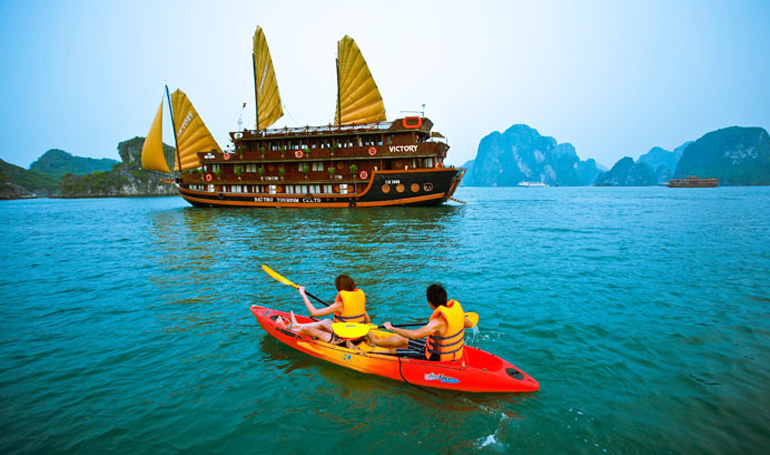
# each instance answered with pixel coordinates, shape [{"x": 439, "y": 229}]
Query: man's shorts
[{"x": 416, "y": 350}]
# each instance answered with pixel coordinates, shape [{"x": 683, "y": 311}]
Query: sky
[{"x": 614, "y": 78}]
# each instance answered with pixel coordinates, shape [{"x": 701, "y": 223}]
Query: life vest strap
[
  {"x": 446, "y": 345},
  {"x": 436, "y": 351},
  {"x": 460, "y": 333},
  {"x": 348, "y": 318}
]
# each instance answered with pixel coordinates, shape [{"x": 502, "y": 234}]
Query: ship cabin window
[
  {"x": 360, "y": 144},
  {"x": 371, "y": 141},
  {"x": 251, "y": 168},
  {"x": 428, "y": 163},
  {"x": 389, "y": 139},
  {"x": 343, "y": 188},
  {"x": 317, "y": 166},
  {"x": 327, "y": 188},
  {"x": 272, "y": 189}
]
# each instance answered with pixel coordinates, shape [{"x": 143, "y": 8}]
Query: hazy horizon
[{"x": 612, "y": 79}]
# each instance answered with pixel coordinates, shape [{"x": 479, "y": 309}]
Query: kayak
[{"x": 477, "y": 371}]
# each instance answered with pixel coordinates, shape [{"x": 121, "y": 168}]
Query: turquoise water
[{"x": 643, "y": 312}]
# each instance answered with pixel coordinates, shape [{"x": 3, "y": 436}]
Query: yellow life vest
[
  {"x": 449, "y": 345},
  {"x": 353, "y": 306}
]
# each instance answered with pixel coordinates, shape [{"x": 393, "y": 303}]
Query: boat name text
[
  {"x": 441, "y": 378},
  {"x": 185, "y": 122},
  {"x": 402, "y": 148},
  {"x": 294, "y": 200},
  {"x": 392, "y": 182}
]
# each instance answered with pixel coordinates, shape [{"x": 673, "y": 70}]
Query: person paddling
[
  {"x": 349, "y": 306},
  {"x": 441, "y": 339}
]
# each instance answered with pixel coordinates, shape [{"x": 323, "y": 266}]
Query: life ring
[
  {"x": 209, "y": 177},
  {"x": 221, "y": 196},
  {"x": 226, "y": 156},
  {"x": 363, "y": 175},
  {"x": 299, "y": 154},
  {"x": 372, "y": 151},
  {"x": 413, "y": 122}
]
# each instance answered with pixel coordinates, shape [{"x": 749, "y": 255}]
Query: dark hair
[
  {"x": 344, "y": 283},
  {"x": 436, "y": 295}
]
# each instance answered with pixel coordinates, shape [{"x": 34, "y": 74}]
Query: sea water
[{"x": 644, "y": 313}]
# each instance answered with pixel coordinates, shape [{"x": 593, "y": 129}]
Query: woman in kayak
[
  {"x": 349, "y": 306},
  {"x": 441, "y": 339}
]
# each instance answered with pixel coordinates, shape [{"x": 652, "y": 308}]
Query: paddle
[
  {"x": 285, "y": 281},
  {"x": 352, "y": 330}
]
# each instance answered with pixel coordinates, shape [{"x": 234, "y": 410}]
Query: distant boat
[
  {"x": 532, "y": 185},
  {"x": 692, "y": 181}
]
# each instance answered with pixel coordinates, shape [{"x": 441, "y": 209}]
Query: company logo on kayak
[{"x": 441, "y": 378}]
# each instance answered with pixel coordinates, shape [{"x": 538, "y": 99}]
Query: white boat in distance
[{"x": 532, "y": 184}]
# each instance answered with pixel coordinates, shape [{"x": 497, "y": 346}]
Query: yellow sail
[
  {"x": 359, "y": 100},
  {"x": 269, "y": 108},
  {"x": 192, "y": 136},
  {"x": 153, "y": 158}
]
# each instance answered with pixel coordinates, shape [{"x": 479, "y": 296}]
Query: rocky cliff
[
  {"x": 626, "y": 172},
  {"x": 735, "y": 155},
  {"x": 522, "y": 154},
  {"x": 59, "y": 163},
  {"x": 125, "y": 179},
  {"x": 19, "y": 183}
]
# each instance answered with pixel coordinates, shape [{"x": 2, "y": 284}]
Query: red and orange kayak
[{"x": 477, "y": 371}]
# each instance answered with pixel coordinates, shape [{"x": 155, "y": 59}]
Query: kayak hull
[{"x": 477, "y": 371}]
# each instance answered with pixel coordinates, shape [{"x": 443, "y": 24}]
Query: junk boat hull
[
  {"x": 385, "y": 188},
  {"x": 477, "y": 371}
]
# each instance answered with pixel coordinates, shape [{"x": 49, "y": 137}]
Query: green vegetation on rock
[
  {"x": 60, "y": 163},
  {"x": 17, "y": 182}
]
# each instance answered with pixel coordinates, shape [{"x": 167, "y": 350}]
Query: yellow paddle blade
[
  {"x": 278, "y": 277},
  {"x": 473, "y": 317},
  {"x": 351, "y": 330}
]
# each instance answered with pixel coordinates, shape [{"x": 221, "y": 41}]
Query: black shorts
[
  {"x": 416, "y": 350},
  {"x": 341, "y": 341}
]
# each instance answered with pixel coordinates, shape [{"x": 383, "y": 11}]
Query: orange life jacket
[
  {"x": 449, "y": 345},
  {"x": 353, "y": 306}
]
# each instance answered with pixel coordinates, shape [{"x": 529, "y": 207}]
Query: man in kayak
[
  {"x": 441, "y": 339},
  {"x": 349, "y": 306}
]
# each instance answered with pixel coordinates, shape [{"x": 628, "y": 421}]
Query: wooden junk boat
[
  {"x": 692, "y": 181},
  {"x": 362, "y": 160}
]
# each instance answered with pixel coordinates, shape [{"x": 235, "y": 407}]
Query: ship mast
[
  {"x": 256, "y": 95},
  {"x": 173, "y": 129},
  {"x": 339, "y": 105}
]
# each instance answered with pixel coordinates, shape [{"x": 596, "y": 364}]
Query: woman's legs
[{"x": 320, "y": 329}]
